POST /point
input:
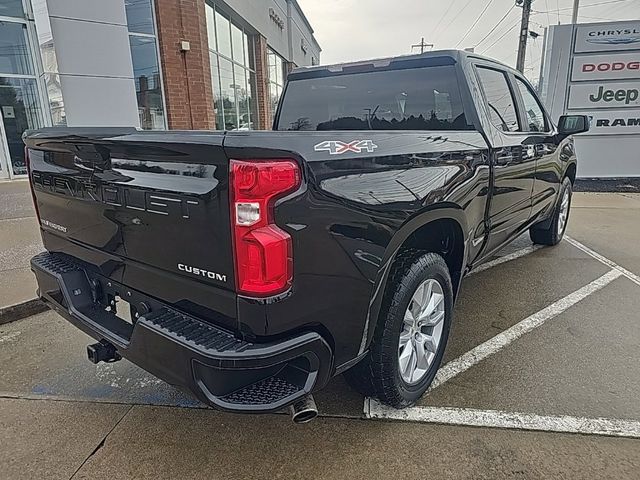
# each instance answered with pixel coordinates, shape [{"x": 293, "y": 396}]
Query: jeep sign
[{"x": 604, "y": 95}]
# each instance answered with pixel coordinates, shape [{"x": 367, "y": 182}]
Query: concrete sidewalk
[{"x": 19, "y": 241}]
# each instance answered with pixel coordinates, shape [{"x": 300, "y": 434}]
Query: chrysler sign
[
  {"x": 614, "y": 66},
  {"x": 607, "y": 37}
]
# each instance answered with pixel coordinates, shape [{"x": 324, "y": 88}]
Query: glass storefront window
[
  {"x": 146, "y": 65},
  {"x": 232, "y": 73},
  {"x": 237, "y": 38},
  {"x": 140, "y": 16},
  {"x": 223, "y": 35},
  {"x": 215, "y": 83},
  {"x": 147, "y": 77},
  {"x": 275, "y": 70},
  {"x": 11, "y": 8},
  {"x": 211, "y": 26},
  {"x": 15, "y": 57},
  {"x": 20, "y": 111},
  {"x": 228, "y": 93}
]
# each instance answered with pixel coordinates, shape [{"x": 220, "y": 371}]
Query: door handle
[{"x": 530, "y": 151}]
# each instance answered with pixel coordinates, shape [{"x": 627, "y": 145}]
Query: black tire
[
  {"x": 547, "y": 231},
  {"x": 378, "y": 373}
]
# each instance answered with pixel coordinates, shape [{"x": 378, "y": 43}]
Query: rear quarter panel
[{"x": 348, "y": 220}]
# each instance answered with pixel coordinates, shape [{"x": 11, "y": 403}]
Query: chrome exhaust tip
[{"x": 304, "y": 410}]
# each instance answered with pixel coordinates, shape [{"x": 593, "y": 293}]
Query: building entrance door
[
  {"x": 4, "y": 154},
  {"x": 19, "y": 111}
]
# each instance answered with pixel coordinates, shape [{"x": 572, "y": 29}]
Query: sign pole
[{"x": 574, "y": 16}]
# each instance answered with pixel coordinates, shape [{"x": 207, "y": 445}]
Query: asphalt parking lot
[{"x": 541, "y": 378}]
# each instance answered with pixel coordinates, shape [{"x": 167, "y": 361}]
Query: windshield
[{"x": 425, "y": 98}]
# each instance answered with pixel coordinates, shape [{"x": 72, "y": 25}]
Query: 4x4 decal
[{"x": 336, "y": 147}]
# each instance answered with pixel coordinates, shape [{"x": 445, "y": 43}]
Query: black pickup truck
[{"x": 251, "y": 267}]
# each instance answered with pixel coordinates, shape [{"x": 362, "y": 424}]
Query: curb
[
  {"x": 21, "y": 310},
  {"x": 608, "y": 185}
]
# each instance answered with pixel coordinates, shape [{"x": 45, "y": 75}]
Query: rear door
[
  {"x": 539, "y": 135},
  {"x": 513, "y": 160}
]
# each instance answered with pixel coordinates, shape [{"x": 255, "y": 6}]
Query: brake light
[
  {"x": 33, "y": 193},
  {"x": 263, "y": 251}
]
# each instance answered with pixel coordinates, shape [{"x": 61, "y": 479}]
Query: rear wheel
[
  {"x": 551, "y": 231},
  {"x": 412, "y": 331}
]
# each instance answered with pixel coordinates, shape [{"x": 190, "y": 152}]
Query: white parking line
[
  {"x": 526, "y": 421},
  {"x": 498, "y": 419},
  {"x": 497, "y": 343},
  {"x": 507, "y": 258},
  {"x": 630, "y": 275}
]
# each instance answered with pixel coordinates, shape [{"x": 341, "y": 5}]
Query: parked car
[{"x": 249, "y": 267}]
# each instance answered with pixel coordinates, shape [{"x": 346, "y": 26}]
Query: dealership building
[{"x": 153, "y": 64}]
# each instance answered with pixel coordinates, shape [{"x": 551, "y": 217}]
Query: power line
[
  {"x": 585, "y": 6},
  {"x": 502, "y": 36},
  {"x": 475, "y": 23},
  {"x": 495, "y": 26},
  {"x": 435, "y": 30},
  {"x": 458, "y": 14}
]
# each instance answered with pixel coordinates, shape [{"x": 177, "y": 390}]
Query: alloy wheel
[{"x": 421, "y": 331}]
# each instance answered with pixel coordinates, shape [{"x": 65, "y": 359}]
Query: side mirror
[{"x": 572, "y": 124}]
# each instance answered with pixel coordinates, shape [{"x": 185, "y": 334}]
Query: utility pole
[
  {"x": 524, "y": 33},
  {"x": 574, "y": 16},
  {"x": 421, "y": 45}
]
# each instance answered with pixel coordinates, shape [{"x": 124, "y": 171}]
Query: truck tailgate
[{"x": 135, "y": 202}]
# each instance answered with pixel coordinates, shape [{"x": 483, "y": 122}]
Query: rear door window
[
  {"x": 426, "y": 98},
  {"x": 500, "y": 101},
  {"x": 536, "y": 121}
]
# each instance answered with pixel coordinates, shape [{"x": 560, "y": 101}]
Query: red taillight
[
  {"x": 33, "y": 193},
  {"x": 263, "y": 252}
]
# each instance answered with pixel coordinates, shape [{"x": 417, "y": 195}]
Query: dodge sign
[{"x": 610, "y": 66}]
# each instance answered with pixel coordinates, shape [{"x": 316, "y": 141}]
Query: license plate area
[{"x": 121, "y": 308}]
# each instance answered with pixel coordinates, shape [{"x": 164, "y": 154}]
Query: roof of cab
[{"x": 432, "y": 58}]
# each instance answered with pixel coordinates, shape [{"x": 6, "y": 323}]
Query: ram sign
[{"x": 618, "y": 122}]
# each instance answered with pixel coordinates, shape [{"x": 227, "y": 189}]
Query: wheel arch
[
  {"x": 571, "y": 172},
  {"x": 445, "y": 221}
]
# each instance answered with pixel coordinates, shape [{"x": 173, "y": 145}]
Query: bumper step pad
[{"x": 199, "y": 334}]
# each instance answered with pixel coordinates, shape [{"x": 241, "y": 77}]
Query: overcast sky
[{"x": 360, "y": 29}]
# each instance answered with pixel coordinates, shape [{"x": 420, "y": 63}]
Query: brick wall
[
  {"x": 187, "y": 75},
  {"x": 265, "y": 119}
]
